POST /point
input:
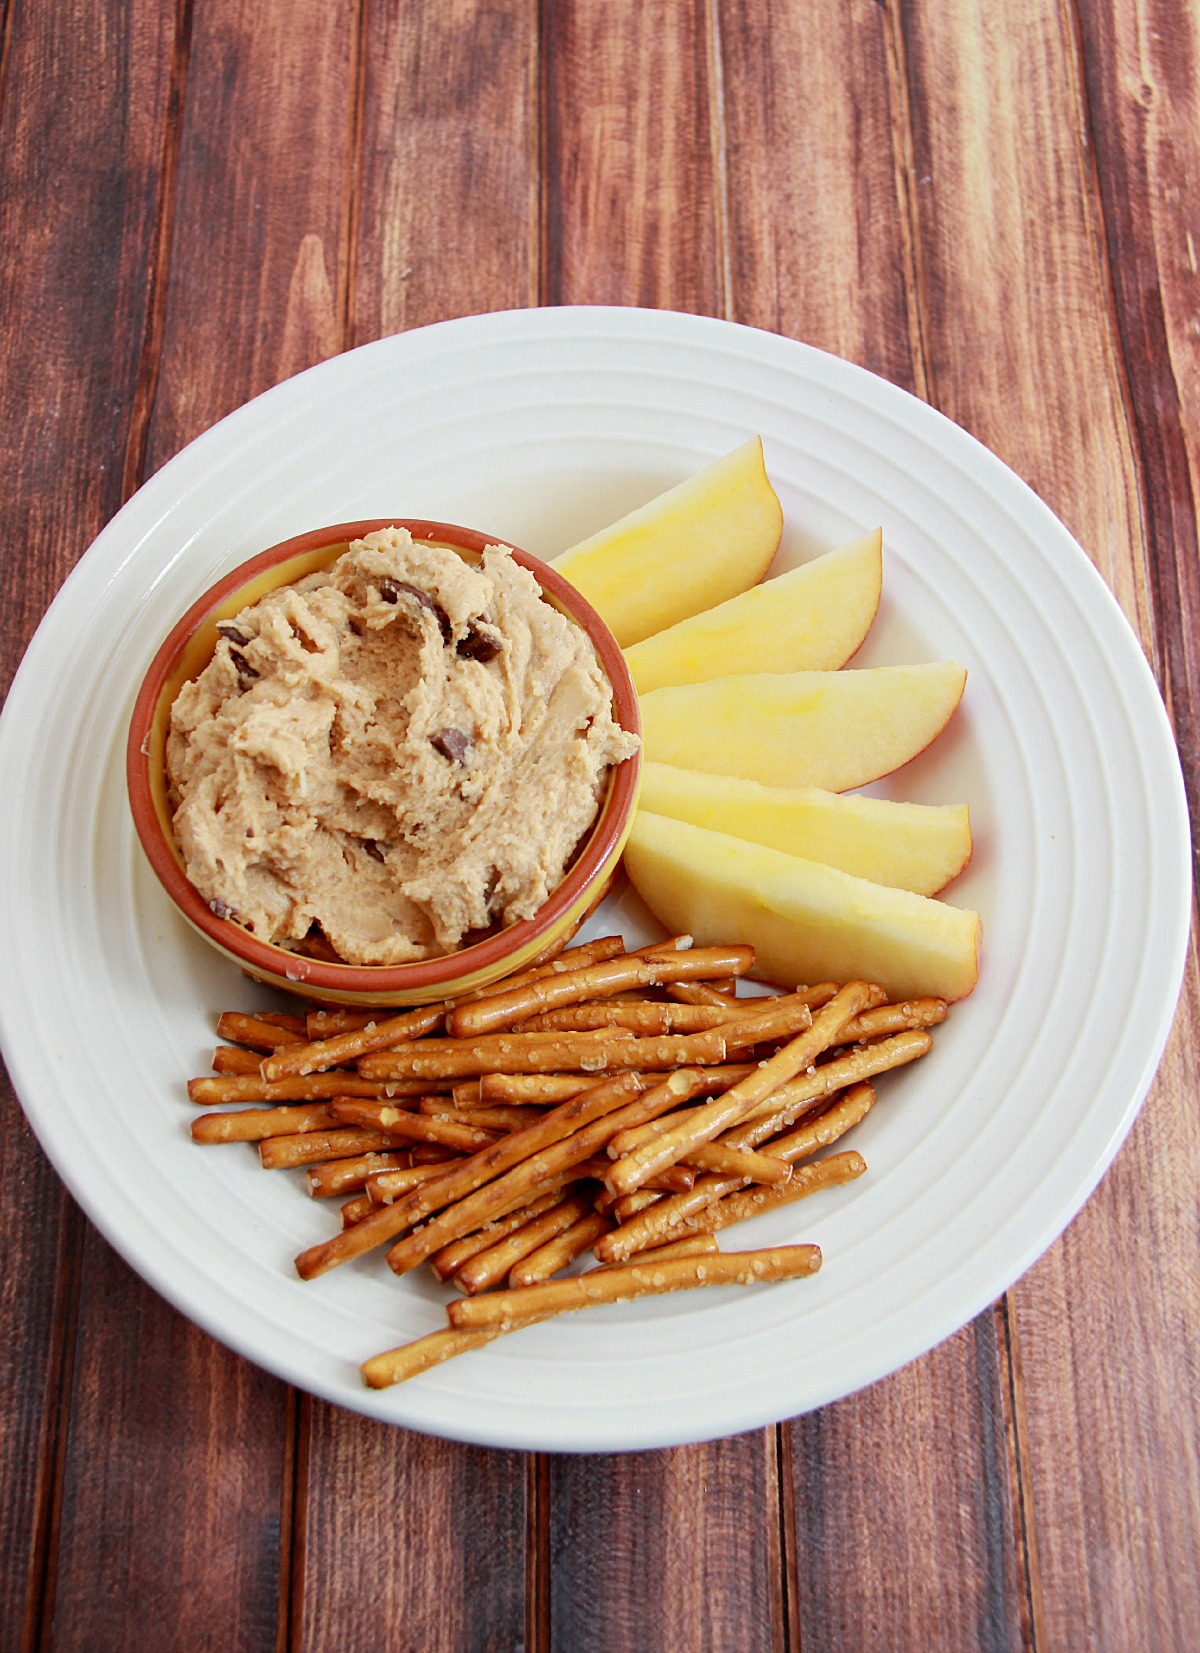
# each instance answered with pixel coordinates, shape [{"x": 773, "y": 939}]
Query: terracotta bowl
[{"x": 188, "y": 650}]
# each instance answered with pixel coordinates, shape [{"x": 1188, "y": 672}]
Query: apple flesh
[
  {"x": 806, "y": 922},
  {"x": 918, "y": 847},
  {"x": 835, "y": 730},
  {"x": 810, "y": 619},
  {"x": 689, "y": 549}
]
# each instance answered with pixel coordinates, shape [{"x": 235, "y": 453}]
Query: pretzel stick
[
  {"x": 314, "y": 1087},
  {"x": 799, "y": 1095},
  {"x": 258, "y": 1031},
  {"x": 528, "y": 1175},
  {"x": 681, "y": 1214},
  {"x": 256, "y": 1124},
  {"x": 559, "y": 1252},
  {"x": 232, "y": 1059},
  {"x": 639, "y": 1017},
  {"x": 469, "y": 1174},
  {"x": 530, "y": 1087},
  {"x": 692, "y": 1245},
  {"x": 447, "y": 1262},
  {"x": 739, "y": 1162},
  {"x": 286, "y": 1153},
  {"x": 324, "y": 1024},
  {"x": 753, "y": 1202},
  {"x": 499, "y": 1053},
  {"x": 348, "y": 1047},
  {"x": 588, "y": 952},
  {"x": 631, "y": 1172},
  {"x": 383, "y": 1191},
  {"x": 496, "y": 1118},
  {"x": 826, "y": 1127},
  {"x": 488, "y": 1268},
  {"x": 626, "y": 1206},
  {"x": 615, "y": 975},
  {"x": 412, "y": 1127},
  {"x": 347, "y": 1176},
  {"x": 894, "y": 1018},
  {"x": 398, "y": 1365},
  {"x": 354, "y": 1210},
  {"x": 506, "y": 1309},
  {"x": 698, "y": 993}
]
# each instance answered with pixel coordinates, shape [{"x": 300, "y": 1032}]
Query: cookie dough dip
[{"x": 395, "y": 753}]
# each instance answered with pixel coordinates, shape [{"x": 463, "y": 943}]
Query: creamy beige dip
[{"x": 401, "y": 749}]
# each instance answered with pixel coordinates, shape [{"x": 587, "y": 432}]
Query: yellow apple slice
[
  {"x": 835, "y": 730},
  {"x": 689, "y": 549},
  {"x": 918, "y": 847},
  {"x": 810, "y": 619},
  {"x": 806, "y": 922}
]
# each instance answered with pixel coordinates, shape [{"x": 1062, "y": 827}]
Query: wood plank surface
[
  {"x": 672, "y": 1548},
  {"x": 443, "y": 197},
  {"x": 81, "y": 188},
  {"x": 204, "y": 1497},
  {"x": 838, "y": 260},
  {"x": 669, "y": 1549},
  {"x": 632, "y": 209},
  {"x": 996, "y": 208}
]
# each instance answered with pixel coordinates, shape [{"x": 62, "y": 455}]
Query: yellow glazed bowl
[{"x": 187, "y": 651}]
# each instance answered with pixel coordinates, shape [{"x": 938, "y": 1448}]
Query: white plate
[{"x": 540, "y": 426}]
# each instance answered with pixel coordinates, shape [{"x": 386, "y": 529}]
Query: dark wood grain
[
  {"x": 81, "y": 181},
  {"x": 995, "y": 207},
  {"x": 447, "y": 197},
  {"x": 193, "y": 1516},
  {"x": 821, "y": 177},
  {"x": 668, "y": 1549},
  {"x": 672, "y": 1549},
  {"x": 442, "y": 204},
  {"x": 632, "y": 207},
  {"x": 257, "y": 273},
  {"x": 819, "y": 248},
  {"x": 410, "y": 1543},
  {"x": 907, "y": 1531},
  {"x": 1026, "y": 269}
]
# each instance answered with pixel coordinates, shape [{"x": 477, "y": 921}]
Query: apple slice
[
  {"x": 836, "y": 730},
  {"x": 918, "y": 847},
  {"x": 690, "y": 548},
  {"x": 810, "y": 619},
  {"x": 806, "y": 922}
]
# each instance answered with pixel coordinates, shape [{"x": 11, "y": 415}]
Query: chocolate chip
[
  {"x": 374, "y": 849},
  {"x": 356, "y": 626},
  {"x": 451, "y": 743},
  {"x": 246, "y": 672},
  {"x": 392, "y": 590},
  {"x": 220, "y": 909},
  {"x": 231, "y": 634},
  {"x": 479, "y": 645}
]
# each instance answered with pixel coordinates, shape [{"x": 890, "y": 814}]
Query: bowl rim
[{"x": 297, "y": 969}]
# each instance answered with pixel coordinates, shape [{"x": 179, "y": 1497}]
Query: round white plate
[{"x": 540, "y": 426}]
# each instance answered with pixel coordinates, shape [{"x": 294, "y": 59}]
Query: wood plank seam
[
  {"x": 905, "y": 172},
  {"x": 60, "y": 1381},
  {"x": 537, "y": 1553},
  {"x": 350, "y": 230},
  {"x": 1161, "y": 429},
  {"x": 6, "y": 32},
  {"x": 718, "y": 137},
  {"x": 289, "y": 1620},
  {"x": 789, "y": 1617},
  {"x": 150, "y": 360},
  {"x": 1025, "y": 1523},
  {"x": 293, "y": 1539}
]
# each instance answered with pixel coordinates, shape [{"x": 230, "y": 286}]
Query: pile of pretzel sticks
[{"x": 627, "y": 1103}]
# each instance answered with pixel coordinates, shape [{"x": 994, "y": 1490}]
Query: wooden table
[{"x": 995, "y": 205}]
